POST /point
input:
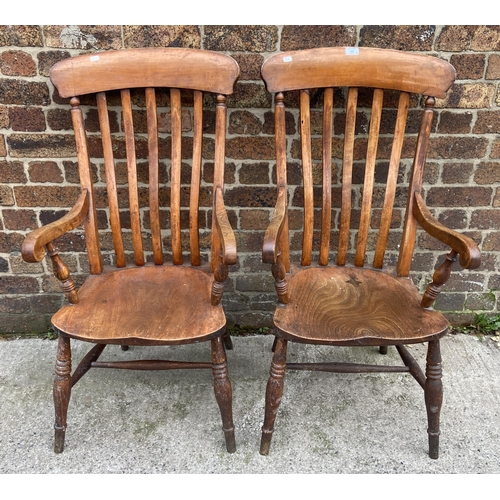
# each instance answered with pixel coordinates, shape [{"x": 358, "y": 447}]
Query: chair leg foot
[
  {"x": 383, "y": 349},
  {"x": 223, "y": 392},
  {"x": 62, "y": 391},
  {"x": 433, "y": 391},
  {"x": 124, "y": 347},
  {"x": 274, "y": 393}
]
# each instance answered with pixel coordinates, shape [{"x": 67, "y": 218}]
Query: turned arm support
[
  {"x": 270, "y": 247},
  {"x": 468, "y": 251},
  {"x": 33, "y": 248},
  {"x": 227, "y": 254},
  {"x": 224, "y": 230}
]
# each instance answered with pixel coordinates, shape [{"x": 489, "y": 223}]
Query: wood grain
[
  {"x": 145, "y": 67},
  {"x": 148, "y": 305},
  {"x": 354, "y": 306},
  {"x": 33, "y": 247},
  {"x": 358, "y": 67}
]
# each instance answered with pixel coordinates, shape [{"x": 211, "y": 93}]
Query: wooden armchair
[
  {"x": 149, "y": 293},
  {"x": 352, "y": 285}
]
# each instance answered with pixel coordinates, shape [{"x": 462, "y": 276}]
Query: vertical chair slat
[
  {"x": 371, "y": 156},
  {"x": 410, "y": 227},
  {"x": 91, "y": 234},
  {"x": 345, "y": 211},
  {"x": 109, "y": 165},
  {"x": 154, "y": 203},
  {"x": 280, "y": 133},
  {"x": 392, "y": 179},
  {"x": 175, "y": 176},
  {"x": 132, "y": 177},
  {"x": 305, "y": 135},
  {"x": 219, "y": 161},
  {"x": 326, "y": 214},
  {"x": 194, "y": 197}
]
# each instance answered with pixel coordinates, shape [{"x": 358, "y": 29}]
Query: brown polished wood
[
  {"x": 146, "y": 294},
  {"x": 350, "y": 303}
]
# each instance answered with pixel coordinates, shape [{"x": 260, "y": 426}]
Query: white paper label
[
  {"x": 94, "y": 58},
  {"x": 351, "y": 51},
  {"x": 287, "y": 59}
]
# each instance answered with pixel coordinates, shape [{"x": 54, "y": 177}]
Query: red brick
[
  {"x": 307, "y": 37},
  {"x": 488, "y": 122},
  {"x": 162, "y": 36},
  {"x": 493, "y": 69},
  {"x": 47, "y": 59},
  {"x": 83, "y": 37},
  {"x": 46, "y": 196},
  {"x": 456, "y": 173},
  {"x": 17, "y": 63},
  {"x": 4, "y": 117},
  {"x": 254, "y": 173},
  {"x": 24, "y": 93},
  {"x": 241, "y": 38},
  {"x": 6, "y": 196},
  {"x": 469, "y": 66},
  {"x": 21, "y": 36},
  {"x": 251, "y": 148},
  {"x": 244, "y": 122},
  {"x": 19, "y": 220},
  {"x": 455, "y": 123},
  {"x": 459, "y": 196},
  {"x": 59, "y": 119},
  {"x": 398, "y": 37},
  {"x": 460, "y": 148},
  {"x": 27, "y": 119},
  {"x": 41, "y": 145},
  {"x": 45, "y": 171},
  {"x": 249, "y": 64},
  {"x": 487, "y": 173},
  {"x": 12, "y": 172}
]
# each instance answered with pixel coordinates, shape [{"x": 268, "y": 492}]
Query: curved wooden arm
[
  {"x": 273, "y": 232},
  {"x": 224, "y": 229},
  {"x": 470, "y": 255},
  {"x": 33, "y": 246}
]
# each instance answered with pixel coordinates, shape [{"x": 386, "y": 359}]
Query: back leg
[{"x": 383, "y": 349}]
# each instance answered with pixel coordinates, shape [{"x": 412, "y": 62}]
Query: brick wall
[{"x": 37, "y": 164}]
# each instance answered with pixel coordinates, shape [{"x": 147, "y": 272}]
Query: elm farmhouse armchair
[
  {"x": 341, "y": 263},
  {"x": 169, "y": 235}
]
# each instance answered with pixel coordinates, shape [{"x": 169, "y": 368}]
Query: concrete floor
[{"x": 129, "y": 422}]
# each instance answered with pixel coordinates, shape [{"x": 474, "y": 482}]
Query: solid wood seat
[
  {"x": 139, "y": 125},
  {"x": 352, "y": 306},
  {"x": 112, "y": 307},
  {"x": 340, "y": 244}
]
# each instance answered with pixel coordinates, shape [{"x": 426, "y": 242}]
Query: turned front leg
[
  {"x": 62, "y": 391},
  {"x": 223, "y": 392},
  {"x": 274, "y": 393},
  {"x": 433, "y": 390}
]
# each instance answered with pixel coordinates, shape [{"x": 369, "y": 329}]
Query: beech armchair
[
  {"x": 165, "y": 278},
  {"x": 341, "y": 263}
]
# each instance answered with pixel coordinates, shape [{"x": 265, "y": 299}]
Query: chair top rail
[
  {"x": 358, "y": 67},
  {"x": 149, "y": 67}
]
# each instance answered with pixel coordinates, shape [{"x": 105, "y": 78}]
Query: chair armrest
[
  {"x": 273, "y": 232},
  {"x": 224, "y": 230},
  {"x": 470, "y": 255},
  {"x": 33, "y": 250}
]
